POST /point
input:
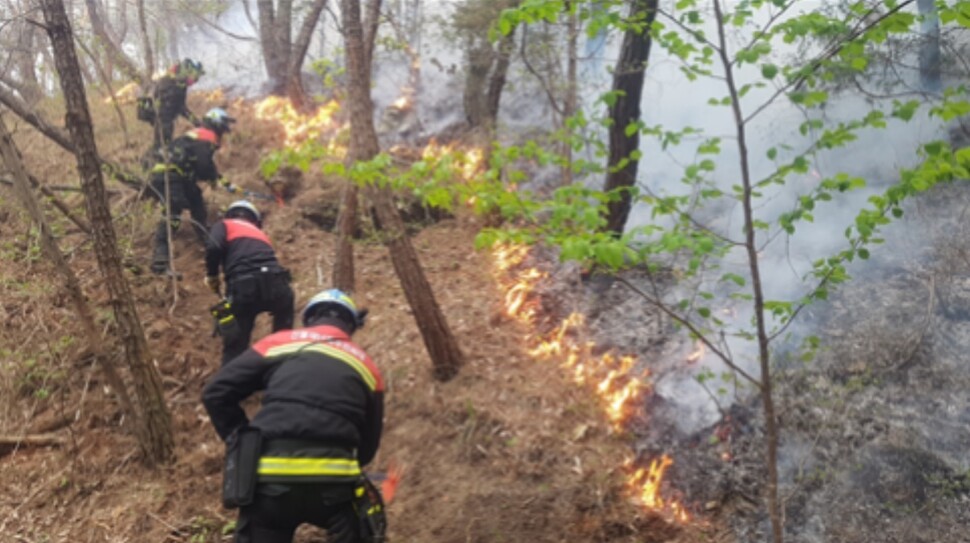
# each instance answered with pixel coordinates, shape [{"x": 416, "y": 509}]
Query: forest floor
[{"x": 509, "y": 451}]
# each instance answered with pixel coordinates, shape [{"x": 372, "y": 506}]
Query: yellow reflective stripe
[
  {"x": 286, "y": 349},
  {"x": 161, "y": 167},
  {"x": 343, "y": 467},
  {"x": 348, "y": 359},
  {"x": 334, "y": 352}
]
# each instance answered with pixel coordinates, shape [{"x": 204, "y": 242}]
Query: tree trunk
[
  {"x": 343, "y": 267},
  {"x": 441, "y": 344},
  {"x": 113, "y": 49},
  {"x": 372, "y": 21},
  {"x": 295, "y": 78},
  {"x": 58, "y": 135},
  {"x": 628, "y": 86},
  {"x": 29, "y": 85},
  {"x": 571, "y": 101},
  {"x": 146, "y": 41},
  {"x": 487, "y": 67},
  {"x": 275, "y": 51},
  {"x": 21, "y": 180},
  {"x": 154, "y": 427},
  {"x": 775, "y": 504},
  {"x": 929, "y": 50},
  {"x": 121, "y": 19}
]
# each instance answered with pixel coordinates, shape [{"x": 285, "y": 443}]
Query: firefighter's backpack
[{"x": 145, "y": 109}]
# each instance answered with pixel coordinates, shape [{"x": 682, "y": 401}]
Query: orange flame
[
  {"x": 389, "y": 485},
  {"x": 468, "y": 161},
  {"x": 126, "y": 94},
  {"x": 298, "y": 127},
  {"x": 610, "y": 377},
  {"x": 645, "y": 484}
]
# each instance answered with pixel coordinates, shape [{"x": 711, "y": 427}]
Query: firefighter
[
  {"x": 190, "y": 159},
  {"x": 320, "y": 422},
  {"x": 171, "y": 91},
  {"x": 255, "y": 281}
]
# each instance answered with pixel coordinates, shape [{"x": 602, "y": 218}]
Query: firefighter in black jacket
[
  {"x": 170, "y": 94},
  {"x": 321, "y": 420},
  {"x": 190, "y": 159},
  {"x": 255, "y": 281}
]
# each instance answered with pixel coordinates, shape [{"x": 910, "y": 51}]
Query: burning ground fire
[
  {"x": 612, "y": 378},
  {"x": 299, "y": 127}
]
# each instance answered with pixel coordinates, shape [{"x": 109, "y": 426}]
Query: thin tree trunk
[
  {"x": 571, "y": 100},
  {"x": 295, "y": 79},
  {"x": 21, "y": 180},
  {"x": 275, "y": 58},
  {"x": 146, "y": 41},
  {"x": 154, "y": 427},
  {"x": 371, "y": 23},
  {"x": 446, "y": 357},
  {"x": 122, "y": 19},
  {"x": 775, "y": 509},
  {"x": 343, "y": 268},
  {"x": 63, "y": 139},
  {"x": 113, "y": 49},
  {"x": 58, "y": 135},
  {"x": 930, "y": 56},
  {"x": 106, "y": 81},
  {"x": 628, "y": 89},
  {"x": 496, "y": 81},
  {"x": 29, "y": 87}
]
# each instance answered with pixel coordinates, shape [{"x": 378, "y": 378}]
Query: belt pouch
[{"x": 239, "y": 472}]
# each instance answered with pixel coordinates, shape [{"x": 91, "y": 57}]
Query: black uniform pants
[
  {"x": 183, "y": 194},
  {"x": 279, "y": 509},
  {"x": 163, "y": 132},
  {"x": 250, "y": 295}
]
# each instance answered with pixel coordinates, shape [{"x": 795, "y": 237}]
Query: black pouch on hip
[
  {"x": 226, "y": 325},
  {"x": 239, "y": 474},
  {"x": 369, "y": 505}
]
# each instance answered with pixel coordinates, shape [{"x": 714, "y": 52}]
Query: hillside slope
[{"x": 510, "y": 450}]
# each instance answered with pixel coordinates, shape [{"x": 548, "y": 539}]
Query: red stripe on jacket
[
  {"x": 204, "y": 134},
  {"x": 238, "y": 228},
  {"x": 330, "y": 335}
]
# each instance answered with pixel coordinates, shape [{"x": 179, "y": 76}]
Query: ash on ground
[{"x": 874, "y": 428}]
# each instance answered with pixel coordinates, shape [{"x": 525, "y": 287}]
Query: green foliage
[{"x": 329, "y": 70}]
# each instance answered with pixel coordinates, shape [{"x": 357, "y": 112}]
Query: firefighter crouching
[
  {"x": 255, "y": 281},
  {"x": 190, "y": 160},
  {"x": 321, "y": 420}
]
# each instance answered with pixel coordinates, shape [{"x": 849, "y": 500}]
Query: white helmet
[{"x": 245, "y": 205}]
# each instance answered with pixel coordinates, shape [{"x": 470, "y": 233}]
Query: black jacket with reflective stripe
[{"x": 319, "y": 387}]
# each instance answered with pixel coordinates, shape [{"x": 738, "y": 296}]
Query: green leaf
[{"x": 734, "y": 278}]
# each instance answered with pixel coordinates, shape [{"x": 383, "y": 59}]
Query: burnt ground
[{"x": 510, "y": 450}]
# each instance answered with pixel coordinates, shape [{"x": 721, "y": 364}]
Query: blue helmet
[{"x": 338, "y": 299}]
